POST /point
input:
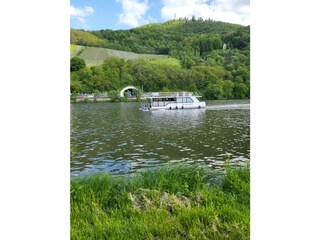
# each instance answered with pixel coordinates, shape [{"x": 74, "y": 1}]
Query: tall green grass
[{"x": 170, "y": 202}]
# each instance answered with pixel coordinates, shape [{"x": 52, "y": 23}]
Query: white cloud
[
  {"x": 133, "y": 12},
  {"x": 80, "y": 14},
  {"x": 234, "y": 11}
]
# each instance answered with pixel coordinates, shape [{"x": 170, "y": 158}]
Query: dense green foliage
[
  {"x": 159, "y": 75},
  {"x": 175, "y": 36},
  {"x": 203, "y": 65},
  {"x": 170, "y": 202},
  {"x": 77, "y": 64}
]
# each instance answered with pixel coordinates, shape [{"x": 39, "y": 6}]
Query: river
[{"x": 118, "y": 138}]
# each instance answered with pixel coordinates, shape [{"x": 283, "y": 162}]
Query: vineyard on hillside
[{"x": 94, "y": 56}]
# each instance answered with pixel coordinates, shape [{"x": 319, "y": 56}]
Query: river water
[{"x": 118, "y": 138}]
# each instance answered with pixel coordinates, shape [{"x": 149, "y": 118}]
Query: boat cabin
[{"x": 157, "y": 101}]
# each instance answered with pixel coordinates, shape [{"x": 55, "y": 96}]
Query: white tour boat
[{"x": 171, "y": 101}]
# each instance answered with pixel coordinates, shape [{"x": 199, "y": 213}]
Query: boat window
[
  {"x": 189, "y": 99},
  {"x": 184, "y": 100}
]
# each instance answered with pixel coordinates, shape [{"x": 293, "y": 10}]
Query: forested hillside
[{"x": 214, "y": 59}]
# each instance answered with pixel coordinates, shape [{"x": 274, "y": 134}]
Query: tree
[
  {"x": 193, "y": 88},
  {"x": 113, "y": 69},
  {"x": 114, "y": 96},
  {"x": 75, "y": 86},
  {"x": 228, "y": 86},
  {"x": 240, "y": 91},
  {"x": 77, "y": 64},
  {"x": 213, "y": 91}
]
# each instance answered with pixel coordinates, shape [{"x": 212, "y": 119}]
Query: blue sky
[{"x": 126, "y": 14}]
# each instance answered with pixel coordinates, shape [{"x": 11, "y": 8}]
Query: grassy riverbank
[{"x": 171, "y": 202}]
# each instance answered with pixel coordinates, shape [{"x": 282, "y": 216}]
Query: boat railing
[{"x": 168, "y": 94}]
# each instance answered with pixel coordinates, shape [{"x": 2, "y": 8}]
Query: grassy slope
[
  {"x": 75, "y": 50},
  {"x": 96, "y": 56},
  {"x": 168, "y": 61},
  {"x": 171, "y": 202},
  {"x": 79, "y": 37},
  {"x": 72, "y": 48}
]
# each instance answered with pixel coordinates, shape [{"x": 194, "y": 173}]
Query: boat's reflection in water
[{"x": 182, "y": 119}]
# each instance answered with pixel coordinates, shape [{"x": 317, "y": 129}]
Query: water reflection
[
  {"x": 118, "y": 138},
  {"x": 175, "y": 120}
]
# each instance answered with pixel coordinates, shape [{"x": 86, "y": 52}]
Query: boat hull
[{"x": 176, "y": 106}]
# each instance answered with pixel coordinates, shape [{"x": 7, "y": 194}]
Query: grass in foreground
[{"x": 171, "y": 202}]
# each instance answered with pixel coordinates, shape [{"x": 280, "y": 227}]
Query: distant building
[{"x": 224, "y": 46}]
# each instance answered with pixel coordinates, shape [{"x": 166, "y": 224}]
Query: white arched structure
[{"x": 125, "y": 89}]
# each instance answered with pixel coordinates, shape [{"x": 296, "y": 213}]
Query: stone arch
[{"x": 129, "y": 88}]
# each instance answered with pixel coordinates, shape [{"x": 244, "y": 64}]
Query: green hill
[
  {"x": 81, "y": 37},
  {"x": 168, "y": 37},
  {"x": 186, "y": 27},
  {"x": 208, "y": 57}
]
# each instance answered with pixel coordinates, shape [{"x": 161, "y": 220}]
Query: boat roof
[{"x": 168, "y": 94}]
